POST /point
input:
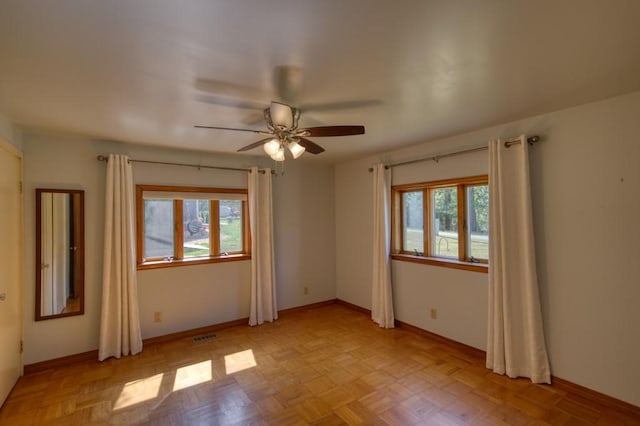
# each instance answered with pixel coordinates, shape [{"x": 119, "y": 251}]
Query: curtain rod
[
  {"x": 199, "y": 166},
  {"x": 531, "y": 140}
]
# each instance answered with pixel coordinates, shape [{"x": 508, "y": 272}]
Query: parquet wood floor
[{"x": 325, "y": 366}]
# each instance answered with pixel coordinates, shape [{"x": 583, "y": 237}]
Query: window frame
[
  {"x": 463, "y": 261},
  {"x": 178, "y": 258}
]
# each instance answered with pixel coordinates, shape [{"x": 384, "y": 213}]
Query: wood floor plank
[{"x": 325, "y": 366}]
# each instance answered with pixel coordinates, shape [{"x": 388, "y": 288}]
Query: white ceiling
[{"x": 127, "y": 70}]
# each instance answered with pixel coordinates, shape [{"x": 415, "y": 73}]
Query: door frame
[{"x": 11, "y": 149}]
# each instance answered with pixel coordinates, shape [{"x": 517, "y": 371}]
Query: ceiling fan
[
  {"x": 283, "y": 131},
  {"x": 281, "y": 118}
]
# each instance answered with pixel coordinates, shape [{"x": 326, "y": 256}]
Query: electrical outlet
[
  {"x": 434, "y": 313},
  {"x": 157, "y": 317},
  {"x": 306, "y": 290}
]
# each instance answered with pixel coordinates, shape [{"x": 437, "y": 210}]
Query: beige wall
[
  {"x": 188, "y": 297},
  {"x": 586, "y": 196}
]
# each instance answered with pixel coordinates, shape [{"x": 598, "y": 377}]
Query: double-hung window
[
  {"x": 444, "y": 222},
  {"x": 187, "y": 225}
]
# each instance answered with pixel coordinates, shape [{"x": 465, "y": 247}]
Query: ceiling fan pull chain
[{"x": 279, "y": 168}]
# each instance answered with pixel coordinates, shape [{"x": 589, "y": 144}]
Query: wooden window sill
[
  {"x": 447, "y": 263},
  {"x": 156, "y": 264}
]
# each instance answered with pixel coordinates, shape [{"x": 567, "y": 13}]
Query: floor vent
[{"x": 204, "y": 338}]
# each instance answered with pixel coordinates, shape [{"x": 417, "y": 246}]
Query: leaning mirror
[{"x": 59, "y": 253}]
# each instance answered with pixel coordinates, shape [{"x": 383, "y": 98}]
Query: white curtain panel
[
  {"x": 120, "y": 322},
  {"x": 263, "y": 277},
  {"x": 381, "y": 294},
  {"x": 515, "y": 345}
]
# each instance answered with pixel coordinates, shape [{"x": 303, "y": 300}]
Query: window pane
[
  {"x": 478, "y": 221},
  {"x": 444, "y": 222},
  {"x": 195, "y": 219},
  {"x": 230, "y": 226},
  {"x": 158, "y": 228},
  {"x": 412, "y": 222}
]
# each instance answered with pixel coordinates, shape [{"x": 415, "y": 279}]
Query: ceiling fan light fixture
[
  {"x": 296, "y": 149},
  {"x": 272, "y": 147},
  {"x": 279, "y": 155}
]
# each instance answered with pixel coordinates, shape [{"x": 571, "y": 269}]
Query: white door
[{"x": 10, "y": 268}]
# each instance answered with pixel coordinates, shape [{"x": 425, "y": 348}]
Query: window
[
  {"x": 444, "y": 223},
  {"x": 186, "y": 225}
]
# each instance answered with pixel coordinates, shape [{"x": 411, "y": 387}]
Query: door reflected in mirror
[{"x": 59, "y": 253}]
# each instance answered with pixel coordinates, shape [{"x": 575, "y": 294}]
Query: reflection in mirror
[{"x": 59, "y": 253}]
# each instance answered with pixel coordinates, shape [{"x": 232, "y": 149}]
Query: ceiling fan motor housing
[{"x": 281, "y": 116}]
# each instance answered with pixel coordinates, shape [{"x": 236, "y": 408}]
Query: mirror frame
[{"x": 80, "y": 242}]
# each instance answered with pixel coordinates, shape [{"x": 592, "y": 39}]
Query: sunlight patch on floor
[
  {"x": 139, "y": 391},
  {"x": 192, "y": 375},
  {"x": 239, "y": 361}
]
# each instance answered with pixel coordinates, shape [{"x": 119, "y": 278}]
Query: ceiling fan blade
[
  {"x": 311, "y": 147},
  {"x": 260, "y": 132},
  {"x": 254, "y": 145},
  {"x": 229, "y": 102},
  {"x": 332, "y": 131},
  {"x": 253, "y": 118},
  {"x": 340, "y": 105},
  {"x": 287, "y": 80},
  {"x": 231, "y": 90}
]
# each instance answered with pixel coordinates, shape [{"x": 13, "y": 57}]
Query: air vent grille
[{"x": 204, "y": 338}]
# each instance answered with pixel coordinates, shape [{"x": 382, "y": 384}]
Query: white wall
[
  {"x": 10, "y": 133},
  {"x": 459, "y": 296},
  {"x": 586, "y": 195},
  {"x": 304, "y": 224},
  {"x": 191, "y": 296}
]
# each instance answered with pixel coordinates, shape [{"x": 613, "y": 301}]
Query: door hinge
[
  {"x": 20, "y": 186},
  {"x": 21, "y": 346}
]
